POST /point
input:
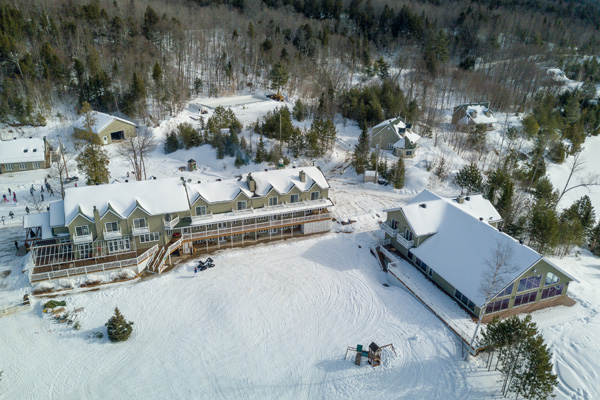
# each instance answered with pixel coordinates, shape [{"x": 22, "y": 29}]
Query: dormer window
[
  {"x": 34, "y": 150},
  {"x": 25, "y": 150}
]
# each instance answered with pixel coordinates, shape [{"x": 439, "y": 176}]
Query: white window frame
[
  {"x": 22, "y": 166},
  {"x": 107, "y": 224},
  {"x": 9, "y": 167},
  {"x": 80, "y": 228},
  {"x": 312, "y": 195},
  {"x": 273, "y": 201},
  {"x": 119, "y": 245},
  {"x": 202, "y": 210},
  {"x": 409, "y": 152},
  {"x": 136, "y": 224},
  {"x": 84, "y": 248},
  {"x": 263, "y": 218},
  {"x": 272, "y": 231},
  {"x": 243, "y": 203},
  {"x": 297, "y": 196},
  {"x": 150, "y": 237},
  {"x": 262, "y": 231},
  {"x": 36, "y": 164}
]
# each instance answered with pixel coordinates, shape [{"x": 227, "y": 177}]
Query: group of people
[
  {"x": 10, "y": 192},
  {"x": 45, "y": 188}
]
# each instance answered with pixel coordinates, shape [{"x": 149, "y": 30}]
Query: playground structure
[{"x": 373, "y": 353}]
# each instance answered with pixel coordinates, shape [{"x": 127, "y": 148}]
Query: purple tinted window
[
  {"x": 552, "y": 291},
  {"x": 506, "y": 291},
  {"x": 525, "y": 298},
  {"x": 532, "y": 282},
  {"x": 497, "y": 306}
]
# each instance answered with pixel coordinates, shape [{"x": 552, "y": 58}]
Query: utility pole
[{"x": 280, "y": 144}]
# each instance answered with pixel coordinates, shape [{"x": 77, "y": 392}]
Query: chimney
[
  {"x": 467, "y": 198},
  {"x": 423, "y": 205},
  {"x": 302, "y": 176},
  {"x": 460, "y": 199},
  {"x": 251, "y": 183},
  {"x": 97, "y": 222}
]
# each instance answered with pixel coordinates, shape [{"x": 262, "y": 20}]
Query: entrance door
[
  {"x": 85, "y": 250},
  {"x": 105, "y": 140}
]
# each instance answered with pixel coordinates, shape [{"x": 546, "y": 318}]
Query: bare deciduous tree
[
  {"x": 135, "y": 149},
  {"x": 498, "y": 269},
  {"x": 576, "y": 167},
  {"x": 36, "y": 203},
  {"x": 59, "y": 170}
]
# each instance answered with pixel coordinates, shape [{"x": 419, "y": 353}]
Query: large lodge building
[{"x": 138, "y": 225}]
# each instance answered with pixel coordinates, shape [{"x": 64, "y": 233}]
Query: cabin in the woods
[
  {"x": 395, "y": 135},
  {"x": 467, "y": 116}
]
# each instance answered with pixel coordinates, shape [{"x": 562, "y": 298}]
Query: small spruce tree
[
  {"x": 118, "y": 329},
  {"x": 361, "y": 152},
  {"x": 469, "y": 177},
  {"x": 398, "y": 172}
]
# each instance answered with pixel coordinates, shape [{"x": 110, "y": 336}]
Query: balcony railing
[
  {"x": 388, "y": 229},
  {"x": 405, "y": 242},
  {"x": 196, "y": 219},
  {"x": 113, "y": 234},
  {"x": 171, "y": 224},
  {"x": 78, "y": 239},
  {"x": 142, "y": 230},
  {"x": 231, "y": 230}
]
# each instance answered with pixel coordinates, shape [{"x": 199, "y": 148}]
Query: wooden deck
[{"x": 68, "y": 264}]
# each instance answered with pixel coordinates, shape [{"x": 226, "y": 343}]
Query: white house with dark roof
[{"x": 450, "y": 240}]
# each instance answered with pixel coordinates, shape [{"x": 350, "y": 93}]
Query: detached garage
[{"x": 108, "y": 127}]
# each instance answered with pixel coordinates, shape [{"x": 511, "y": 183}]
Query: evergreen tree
[
  {"x": 93, "y": 161},
  {"x": 188, "y": 136},
  {"x": 382, "y": 69},
  {"x": 543, "y": 227},
  {"x": 300, "y": 110},
  {"x": 360, "y": 158},
  {"x": 261, "y": 152},
  {"x": 544, "y": 191},
  {"x": 117, "y": 328},
  {"x": 398, "y": 174},
  {"x": 595, "y": 240},
  {"x": 504, "y": 205},
  {"x": 469, "y": 178},
  {"x": 171, "y": 143},
  {"x": 296, "y": 142},
  {"x": 278, "y": 76}
]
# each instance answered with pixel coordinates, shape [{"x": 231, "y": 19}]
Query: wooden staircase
[{"x": 156, "y": 264}]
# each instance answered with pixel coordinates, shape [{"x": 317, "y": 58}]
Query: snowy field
[{"x": 273, "y": 321}]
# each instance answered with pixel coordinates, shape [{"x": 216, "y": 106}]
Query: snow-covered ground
[
  {"x": 271, "y": 321},
  {"x": 274, "y": 321}
]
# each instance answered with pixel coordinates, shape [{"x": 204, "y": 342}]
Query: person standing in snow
[
  {"x": 15, "y": 197},
  {"x": 11, "y": 214},
  {"x": 2, "y": 220},
  {"x": 17, "y": 245},
  {"x": 42, "y": 194},
  {"x": 9, "y": 193},
  {"x": 4, "y": 198},
  {"x": 51, "y": 192},
  {"x": 27, "y": 210},
  {"x": 42, "y": 188},
  {"x": 195, "y": 271},
  {"x": 31, "y": 191}
]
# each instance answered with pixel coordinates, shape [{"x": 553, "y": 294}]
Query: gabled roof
[
  {"x": 57, "y": 213},
  {"x": 280, "y": 180},
  {"x": 156, "y": 197},
  {"x": 102, "y": 121},
  {"x": 41, "y": 220},
  {"x": 22, "y": 150},
  {"x": 461, "y": 243},
  {"x": 477, "y": 114}
]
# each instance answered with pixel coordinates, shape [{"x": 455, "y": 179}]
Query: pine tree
[
  {"x": 543, "y": 227},
  {"x": 261, "y": 152},
  {"x": 469, "y": 178},
  {"x": 398, "y": 174},
  {"x": 93, "y": 161},
  {"x": 504, "y": 205},
  {"x": 360, "y": 158},
  {"x": 296, "y": 142},
  {"x": 278, "y": 76},
  {"x": 171, "y": 143},
  {"x": 595, "y": 240},
  {"x": 118, "y": 329}
]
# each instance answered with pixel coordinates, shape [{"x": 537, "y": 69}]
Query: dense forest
[{"x": 145, "y": 59}]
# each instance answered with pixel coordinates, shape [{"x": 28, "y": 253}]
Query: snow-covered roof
[
  {"x": 102, "y": 121},
  {"x": 477, "y": 114},
  {"x": 395, "y": 122},
  {"x": 154, "y": 196},
  {"x": 57, "y": 213},
  {"x": 22, "y": 150},
  {"x": 281, "y": 180},
  {"x": 413, "y": 137},
  {"x": 370, "y": 173},
  {"x": 461, "y": 243},
  {"x": 41, "y": 220}
]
